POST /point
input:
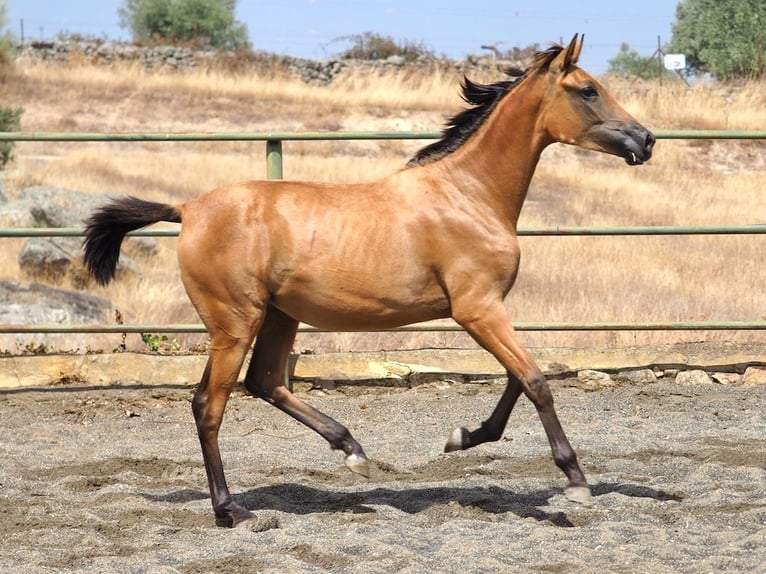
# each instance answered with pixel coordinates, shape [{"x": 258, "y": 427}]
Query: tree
[
  {"x": 6, "y": 36},
  {"x": 10, "y": 118},
  {"x": 629, "y": 62},
  {"x": 724, "y": 37},
  {"x": 203, "y": 22}
]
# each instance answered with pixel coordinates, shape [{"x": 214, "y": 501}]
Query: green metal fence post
[
  {"x": 274, "y": 171},
  {"x": 274, "y": 159}
]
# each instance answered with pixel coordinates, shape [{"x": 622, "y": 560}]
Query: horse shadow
[{"x": 302, "y": 499}]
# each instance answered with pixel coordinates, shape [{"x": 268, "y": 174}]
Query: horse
[{"x": 436, "y": 239}]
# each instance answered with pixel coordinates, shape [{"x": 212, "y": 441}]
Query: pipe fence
[{"x": 274, "y": 166}]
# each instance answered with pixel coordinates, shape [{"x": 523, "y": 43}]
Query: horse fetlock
[
  {"x": 231, "y": 514},
  {"x": 566, "y": 460},
  {"x": 458, "y": 440}
]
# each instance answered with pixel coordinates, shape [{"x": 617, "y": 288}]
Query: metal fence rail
[
  {"x": 274, "y": 171},
  {"x": 427, "y": 327},
  {"x": 754, "y": 229},
  {"x": 316, "y": 136}
]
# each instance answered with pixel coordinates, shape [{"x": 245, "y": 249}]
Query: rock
[
  {"x": 32, "y": 303},
  {"x": 726, "y": 378},
  {"x": 594, "y": 380},
  {"x": 48, "y": 207},
  {"x": 396, "y": 60},
  {"x": 14, "y": 213},
  {"x": 108, "y": 53},
  {"x": 35, "y": 304},
  {"x": 47, "y": 258},
  {"x": 100, "y": 369},
  {"x": 636, "y": 377},
  {"x": 53, "y": 258},
  {"x": 58, "y": 207},
  {"x": 754, "y": 376},
  {"x": 693, "y": 378}
]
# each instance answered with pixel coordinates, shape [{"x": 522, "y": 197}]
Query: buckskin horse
[{"x": 436, "y": 239}]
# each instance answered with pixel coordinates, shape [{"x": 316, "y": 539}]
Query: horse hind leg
[
  {"x": 265, "y": 379},
  {"x": 492, "y": 429},
  {"x": 227, "y": 354}
]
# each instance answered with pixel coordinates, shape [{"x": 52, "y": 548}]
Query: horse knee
[{"x": 206, "y": 420}]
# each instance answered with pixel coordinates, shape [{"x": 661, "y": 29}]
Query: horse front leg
[
  {"x": 493, "y": 331},
  {"x": 208, "y": 407},
  {"x": 267, "y": 374}
]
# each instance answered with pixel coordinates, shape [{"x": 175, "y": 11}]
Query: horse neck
[{"x": 498, "y": 161}]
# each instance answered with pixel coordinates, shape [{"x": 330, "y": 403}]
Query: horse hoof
[
  {"x": 458, "y": 440},
  {"x": 579, "y": 494},
  {"x": 233, "y": 516},
  {"x": 358, "y": 464}
]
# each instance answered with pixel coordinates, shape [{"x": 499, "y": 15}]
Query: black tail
[{"x": 106, "y": 228}]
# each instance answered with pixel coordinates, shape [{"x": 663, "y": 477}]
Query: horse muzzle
[
  {"x": 631, "y": 141},
  {"x": 639, "y": 145}
]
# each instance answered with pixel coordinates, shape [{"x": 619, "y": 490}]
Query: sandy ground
[{"x": 111, "y": 480}]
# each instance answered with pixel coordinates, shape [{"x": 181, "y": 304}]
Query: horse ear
[
  {"x": 569, "y": 55},
  {"x": 574, "y": 49}
]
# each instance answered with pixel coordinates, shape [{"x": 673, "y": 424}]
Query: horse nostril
[{"x": 649, "y": 140}]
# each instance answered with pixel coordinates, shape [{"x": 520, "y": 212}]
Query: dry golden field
[{"x": 561, "y": 279}]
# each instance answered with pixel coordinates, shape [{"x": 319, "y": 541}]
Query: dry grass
[
  {"x": 701, "y": 107},
  {"x": 566, "y": 279}
]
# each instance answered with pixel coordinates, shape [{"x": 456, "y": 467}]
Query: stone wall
[
  {"x": 689, "y": 365},
  {"x": 108, "y": 53},
  {"x": 151, "y": 58}
]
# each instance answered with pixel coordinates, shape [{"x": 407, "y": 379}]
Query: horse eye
[{"x": 588, "y": 92}]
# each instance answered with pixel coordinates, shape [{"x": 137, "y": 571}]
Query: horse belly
[{"x": 349, "y": 302}]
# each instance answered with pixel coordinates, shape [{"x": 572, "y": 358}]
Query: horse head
[{"x": 578, "y": 110}]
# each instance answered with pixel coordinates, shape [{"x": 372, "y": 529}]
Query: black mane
[{"x": 483, "y": 98}]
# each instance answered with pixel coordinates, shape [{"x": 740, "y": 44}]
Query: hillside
[{"x": 569, "y": 279}]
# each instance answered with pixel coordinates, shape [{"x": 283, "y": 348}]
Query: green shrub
[
  {"x": 10, "y": 121},
  {"x": 199, "y": 22},
  {"x": 372, "y": 46}
]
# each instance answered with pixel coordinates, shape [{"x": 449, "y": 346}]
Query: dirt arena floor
[{"x": 111, "y": 480}]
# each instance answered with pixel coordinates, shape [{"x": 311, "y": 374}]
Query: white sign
[{"x": 674, "y": 61}]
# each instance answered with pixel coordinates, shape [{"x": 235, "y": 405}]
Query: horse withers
[{"x": 434, "y": 240}]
